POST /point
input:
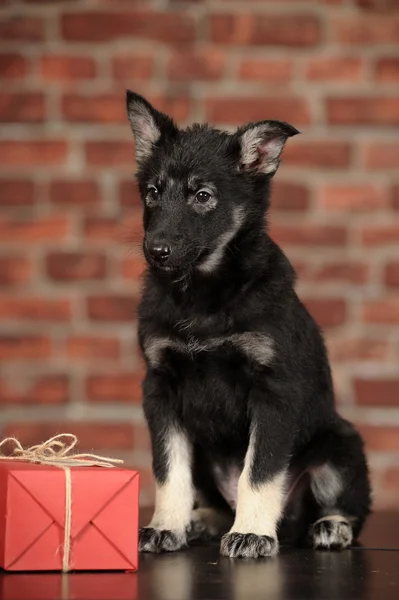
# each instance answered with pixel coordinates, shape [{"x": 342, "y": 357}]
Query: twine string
[
  {"x": 68, "y": 520},
  {"x": 56, "y": 452}
]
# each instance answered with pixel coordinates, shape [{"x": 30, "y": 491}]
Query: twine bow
[{"x": 57, "y": 453}]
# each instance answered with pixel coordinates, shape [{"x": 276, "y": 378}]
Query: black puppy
[{"x": 238, "y": 396}]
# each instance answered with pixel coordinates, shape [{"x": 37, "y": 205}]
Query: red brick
[
  {"x": 142, "y": 439},
  {"x": 12, "y": 66},
  {"x": 391, "y": 480},
  {"x": 129, "y": 193},
  {"x": 16, "y": 192},
  {"x": 21, "y": 107},
  {"x": 147, "y": 486},
  {"x": 301, "y": 267},
  {"x": 341, "y": 271},
  {"x": 207, "y": 65},
  {"x": 382, "y": 155},
  {"x": 395, "y": 197},
  {"x": 14, "y": 270},
  {"x": 92, "y": 347},
  {"x": 131, "y": 231},
  {"x": 238, "y": 110},
  {"x": 112, "y": 307},
  {"x": 102, "y": 108},
  {"x": 377, "y": 5},
  {"x": 367, "y": 29},
  {"x": 328, "y": 312},
  {"x": 32, "y": 153},
  {"x": 139, "y": 67},
  {"x": 101, "y": 228},
  {"x": 46, "y": 229},
  {"x": 91, "y": 435},
  {"x": 352, "y": 349},
  {"x": 380, "y": 235},
  {"x": 110, "y": 154},
  {"x": 46, "y": 389},
  {"x": 357, "y": 110},
  {"x": 99, "y": 26},
  {"x": 47, "y": 1},
  {"x": 111, "y": 108},
  {"x": 317, "y": 154},
  {"x": 380, "y": 437},
  {"x": 353, "y": 197},
  {"x": 377, "y": 392},
  {"x": 67, "y": 68},
  {"x": 309, "y": 235},
  {"x": 113, "y": 230},
  {"x": 25, "y": 29},
  {"x": 265, "y": 70},
  {"x": 124, "y": 387},
  {"x": 14, "y": 347},
  {"x": 387, "y": 69},
  {"x": 391, "y": 274},
  {"x": 385, "y": 311},
  {"x": 265, "y": 29},
  {"x": 176, "y": 106},
  {"x": 76, "y": 193},
  {"x": 41, "y": 309},
  {"x": 289, "y": 196},
  {"x": 328, "y": 2},
  {"x": 133, "y": 267},
  {"x": 75, "y": 266},
  {"x": 342, "y": 68}
]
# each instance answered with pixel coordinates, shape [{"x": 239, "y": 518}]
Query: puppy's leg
[
  {"x": 172, "y": 464},
  {"x": 174, "y": 497},
  {"x": 341, "y": 489},
  {"x": 260, "y": 504}
]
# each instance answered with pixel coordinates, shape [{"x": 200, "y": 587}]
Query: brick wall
[{"x": 70, "y": 219}]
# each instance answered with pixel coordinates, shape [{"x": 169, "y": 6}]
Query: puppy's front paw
[
  {"x": 160, "y": 540},
  {"x": 248, "y": 545}
]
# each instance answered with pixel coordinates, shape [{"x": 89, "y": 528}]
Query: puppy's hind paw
[
  {"x": 331, "y": 535},
  {"x": 208, "y": 523},
  {"x": 160, "y": 540},
  {"x": 248, "y": 545}
]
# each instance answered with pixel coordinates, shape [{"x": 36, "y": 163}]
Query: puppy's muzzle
[{"x": 159, "y": 250}]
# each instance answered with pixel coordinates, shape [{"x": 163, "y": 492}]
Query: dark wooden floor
[{"x": 368, "y": 572}]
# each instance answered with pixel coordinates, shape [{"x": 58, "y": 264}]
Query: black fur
[{"x": 216, "y": 395}]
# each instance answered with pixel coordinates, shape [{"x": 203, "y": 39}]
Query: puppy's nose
[{"x": 160, "y": 250}]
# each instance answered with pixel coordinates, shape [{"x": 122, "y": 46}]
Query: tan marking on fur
[
  {"x": 260, "y": 506},
  {"x": 257, "y": 346},
  {"x": 326, "y": 485},
  {"x": 174, "y": 499},
  {"x": 213, "y": 260}
]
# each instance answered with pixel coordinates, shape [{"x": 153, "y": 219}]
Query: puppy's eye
[
  {"x": 202, "y": 197},
  {"x": 153, "y": 193}
]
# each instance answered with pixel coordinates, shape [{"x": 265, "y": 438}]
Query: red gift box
[{"x": 104, "y": 523}]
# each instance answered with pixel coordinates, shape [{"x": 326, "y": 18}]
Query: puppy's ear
[
  {"x": 148, "y": 124},
  {"x": 261, "y": 145}
]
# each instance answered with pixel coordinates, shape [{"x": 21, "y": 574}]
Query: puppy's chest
[{"x": 192, "y": 343}]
